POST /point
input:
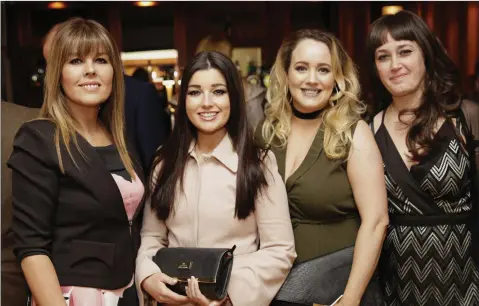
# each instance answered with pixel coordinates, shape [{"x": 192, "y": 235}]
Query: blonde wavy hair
[
  {"x": 338, "y": 117},
  {"x": 82, "y": 37}
]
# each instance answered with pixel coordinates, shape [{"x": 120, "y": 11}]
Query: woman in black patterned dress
[{"x": 424, "y": 139}]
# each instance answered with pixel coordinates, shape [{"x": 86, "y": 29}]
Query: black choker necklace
[{"x": 307, "y": 116}]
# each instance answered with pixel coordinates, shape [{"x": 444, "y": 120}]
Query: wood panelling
[
  {"x": 252, "y": 24},
  {"x": 180, "y": 34},
  {"x": 114, "y": 26},
  {"x": 456, "y": 24},
  {"x": 353, "y": 31},
  {"x": 182, "y": 25},
  {"x": 472, "y": 40}
]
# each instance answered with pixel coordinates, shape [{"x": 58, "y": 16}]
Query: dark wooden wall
[{"x": 181, "y": 25}]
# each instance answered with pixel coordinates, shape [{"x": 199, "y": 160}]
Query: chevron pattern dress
[{"x": 429, "y": 263}]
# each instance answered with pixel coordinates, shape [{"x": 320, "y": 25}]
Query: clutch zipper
[{"x": 185, "y": 280}]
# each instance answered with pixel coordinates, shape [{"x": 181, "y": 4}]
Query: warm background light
[
  {"x": 150, "y": 55},
  {"x": 391, "y": 9},
  {"x": 57, "y": 5},
  {"x": 145, "y": 3}
]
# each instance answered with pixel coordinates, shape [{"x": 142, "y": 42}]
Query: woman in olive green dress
[{"x": 327, "y": 156}]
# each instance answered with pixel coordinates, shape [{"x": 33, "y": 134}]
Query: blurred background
[{"x": 157, "y": 39}]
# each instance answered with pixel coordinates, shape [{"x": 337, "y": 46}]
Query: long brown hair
[
  {"x": 441, "y": 79},
  {"x": 173, "y": 155},
  {"x": 82, "y": 37}
]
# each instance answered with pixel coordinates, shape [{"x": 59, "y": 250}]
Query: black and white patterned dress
[{"x": 427, "y": 255}]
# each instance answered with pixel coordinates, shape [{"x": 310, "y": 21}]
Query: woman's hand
[
  {"x": 194, "y": 293},
  {"x": 155, "y": 285}
]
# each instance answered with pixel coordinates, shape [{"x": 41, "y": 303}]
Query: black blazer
[
  {"x": 78, "y": 218},
  {"x": 147, "y": 123}
]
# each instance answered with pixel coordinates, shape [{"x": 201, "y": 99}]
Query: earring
[{"x": 336, "y": 89}]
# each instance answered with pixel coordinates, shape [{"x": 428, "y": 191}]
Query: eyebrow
[
  {"x": 98, "y": 54},
  {"x": 398, "y": 47},
  {"x": 320, "y": 64},
  {"x": 214, "y": 85}
]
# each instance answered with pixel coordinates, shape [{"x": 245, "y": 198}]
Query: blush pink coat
[{"x": 204, "y": 217}]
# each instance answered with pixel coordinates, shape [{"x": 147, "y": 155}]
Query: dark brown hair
[
  {"x": 440, "y": 84},
  {"x": 174, "y": 153}
]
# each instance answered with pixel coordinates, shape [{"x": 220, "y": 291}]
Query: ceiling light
[
  {"x": 145, "y": 3},
  {"x": 149, "y": 55},
  {"x": 391, "y": 9},
  {"x": 57, "y": 5}
]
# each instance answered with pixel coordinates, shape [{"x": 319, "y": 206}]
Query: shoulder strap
[
  {"x": 463, "y": 128},
  {"x": 371, "y": 125}
]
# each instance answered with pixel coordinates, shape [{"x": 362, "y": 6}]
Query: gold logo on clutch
[{"x": 185, "y": 265}]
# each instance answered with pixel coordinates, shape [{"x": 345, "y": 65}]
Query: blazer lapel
[{"x": 99, "y": 181}]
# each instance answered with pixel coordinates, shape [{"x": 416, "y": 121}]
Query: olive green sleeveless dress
[{"x": 323, "y": 212}]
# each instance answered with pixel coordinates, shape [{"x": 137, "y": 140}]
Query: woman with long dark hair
[
  {"x": 213, "y": 187},
  {"x": 425, "y": 132}
]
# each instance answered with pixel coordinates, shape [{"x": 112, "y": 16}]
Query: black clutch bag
[
  {"x": 211, "y": 266},
  {"x": 322, "y": 280}
]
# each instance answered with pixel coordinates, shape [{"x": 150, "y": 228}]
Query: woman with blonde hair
[
  {"x": 77, "y": 193},
  {"x": 332, "y": 169}
]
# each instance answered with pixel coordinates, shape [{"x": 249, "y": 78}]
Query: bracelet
[{"x": 337, "y": 300}]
